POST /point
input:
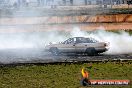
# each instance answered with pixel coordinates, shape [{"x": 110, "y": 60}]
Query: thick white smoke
[
  {"x": 29, "y": 40},
  {"x": 119, "y": 43}
]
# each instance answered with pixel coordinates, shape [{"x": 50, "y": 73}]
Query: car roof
[
  {"x": 83, "y": 37},
  {"x": 78, "y": 37}
]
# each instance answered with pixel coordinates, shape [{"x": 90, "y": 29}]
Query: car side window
[
  {"x": 92, "y": 41},
  {"x": 81, "y": 40},
  {"x": 88, "y": 40},
  {"x": 84, "y": 40},
  {"x": 69, "y": 41}
]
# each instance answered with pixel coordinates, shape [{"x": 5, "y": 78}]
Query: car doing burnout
[{"x": 79, "y": 45}]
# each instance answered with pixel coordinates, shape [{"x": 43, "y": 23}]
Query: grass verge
[{"x": 62, "y": 75}]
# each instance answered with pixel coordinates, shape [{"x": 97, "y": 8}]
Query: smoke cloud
[{"x": 119, "y": 43}]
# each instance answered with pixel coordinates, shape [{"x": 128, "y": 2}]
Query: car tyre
[{"x": 91, "y": 51}]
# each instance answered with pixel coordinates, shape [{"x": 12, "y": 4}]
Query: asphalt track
[{"x": 39, "y": 56}]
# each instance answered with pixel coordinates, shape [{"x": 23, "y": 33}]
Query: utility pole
[
  {"x": 111, "y": 2},
  {"x": 71, "y": 2},
  {"x": 86, "y": 3},
  {"x": 64, "y": 2}
]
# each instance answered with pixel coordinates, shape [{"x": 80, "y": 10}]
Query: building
[
  {"x": 127, "y": 1},
  {"x": 22, "y": 3},
  {"x": 93, "y": 2}
]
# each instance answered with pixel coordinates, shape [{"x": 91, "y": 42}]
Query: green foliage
[
  {"x": 119, "y": 31},
  {"x": 62, "y": 75}
]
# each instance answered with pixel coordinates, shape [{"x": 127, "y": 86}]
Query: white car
[{"x": 77, "y": 45}]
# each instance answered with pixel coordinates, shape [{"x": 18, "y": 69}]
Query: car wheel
[
  {"x": 54, "y": 51},
  {"x": 91, "y": 51}
]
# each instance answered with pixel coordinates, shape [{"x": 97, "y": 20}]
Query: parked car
[{"x": 79, "y": 45}]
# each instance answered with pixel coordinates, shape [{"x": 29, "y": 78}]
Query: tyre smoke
[
  {"x": 119, "y": 43},
  {"x": 29, "y": 46}
]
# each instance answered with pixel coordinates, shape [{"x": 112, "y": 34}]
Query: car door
[
  {"x": 68, "y": 46},
  {"x": 80, "y": 47},
  {"x": 82, "y": 44}
]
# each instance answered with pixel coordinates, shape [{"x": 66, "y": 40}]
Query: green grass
[
  {"x": 119, "y": 31},
  {"x": 62, "y": 75}
]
